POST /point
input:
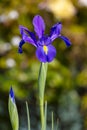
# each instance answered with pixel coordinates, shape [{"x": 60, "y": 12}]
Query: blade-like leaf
[
  {"x": 52, "y": 121},
  {"x": 28, "y": 116},
  {"x": 45, "y": 119}
]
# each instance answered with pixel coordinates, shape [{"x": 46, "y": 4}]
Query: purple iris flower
[{"x": 45, "y": 51}]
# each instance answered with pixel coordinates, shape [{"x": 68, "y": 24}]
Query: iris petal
[
  {"x": 66, "y": 40},
  {"x": 43, "y": 57},
  {"x": 28, "y": 39},
  {"x": 45, "y": 40},
  {"x": 22, "y": 29},
  {"x": 40, "y": 54},
  {"x": 55, "y": 31},
  {"x": 11, "y": 94},
  {"x": 22, "y": 42},
  {"x": 28, "y": 36},
  {"x": 39, "y": 25},
  {"x": 51, "y": 53}
]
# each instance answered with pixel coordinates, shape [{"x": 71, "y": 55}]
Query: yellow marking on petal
[{"x": 45, "y": 49}]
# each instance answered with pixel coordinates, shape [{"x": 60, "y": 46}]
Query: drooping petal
[
  {"x": 46, "y": 57},
  {"x": 39, "y": 25},
  {"x": 28, "y": 36},
  {"x": 51, "y": 53},
  {"x": 55, "y": 31},
  {"x": 22, "y": 29},
  {"x": 66, "y": 40},
  {"x": 22, "y": 42},
  {"x": 28, "y": 39},
  {"x": 40, "y": 54}
]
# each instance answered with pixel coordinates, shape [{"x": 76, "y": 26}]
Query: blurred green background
[{"x": 66, "y": 86}]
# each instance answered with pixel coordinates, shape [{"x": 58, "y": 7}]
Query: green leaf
[
  {"x": 45, "y": 119},
  {"x": 28, "y": 116},
  {"x": 52, "y": 121}
]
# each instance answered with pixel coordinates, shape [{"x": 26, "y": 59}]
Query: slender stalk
[
  {"x": 52, "y": 122},
  {"x": 41, "y": 87},
  {"x": 28, "y": 116},
  {"x": 45, "y": 118},
  {"x": 42, "y": 113}
]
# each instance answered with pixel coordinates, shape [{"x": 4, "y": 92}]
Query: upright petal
[
  {"x": 66, "y": 40},
  {"x": 28, "y": 36},
  {"x": 39, "y": 25},
  {"x": 45, "y": 40},
  {"x": 55, "y": 31}
]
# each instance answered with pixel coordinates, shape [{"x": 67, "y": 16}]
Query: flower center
[{"x": 45, "y": 49}]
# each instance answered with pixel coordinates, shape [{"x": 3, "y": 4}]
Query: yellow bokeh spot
[
  {"x": 62, "y": 9},
  {"x": 45, "y": 49}
]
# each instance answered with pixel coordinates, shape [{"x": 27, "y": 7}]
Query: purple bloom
[
  {"x": 11, "y": 94},
  {"x": 45, "y": 51}
]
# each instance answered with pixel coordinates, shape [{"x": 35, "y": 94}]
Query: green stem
[
  {"x": 28, "y": 116},
  {"x": 41, "y": 86},
  {"x": 42, "y": 113},
  {"x": 52, "y": 122},
  {"x": 45, "y": 117}
]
